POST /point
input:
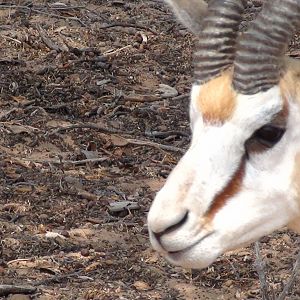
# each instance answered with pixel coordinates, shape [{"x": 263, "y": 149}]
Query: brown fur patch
[
  {"x": 295, "y": 224},
  {"x": 290, "y": 88},
  {"x": 232, "y": 188},
  {"x": 217, "y": 99},
  {"x": 289, "y": 84}
]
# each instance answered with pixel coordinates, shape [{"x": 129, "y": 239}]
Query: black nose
[{"x": 171, "y": 228}]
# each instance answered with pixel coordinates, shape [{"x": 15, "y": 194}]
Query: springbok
[{"x": 240, "y": 178}]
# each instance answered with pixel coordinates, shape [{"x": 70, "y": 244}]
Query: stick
[
  {"x": 6, "y": 289},
  {"x": 59, "y": 278},
  {"x": 48, "y": 42},
  {"x": 42, "y": 12},
  {"x": 291, "y": 281},
  {"x": 129, "y": 25},
  {"x": 5, "y": 114},
  {"x": 72, "y": 162},
  {"x": 259, "y": 264},
  {"x": 155, "y": 145},
  {"x": 110, "y": 53},
  {"x": 165, "y": 134},
  {"x": 10, "y": 38},
  {"x": 113, "y": 131},
  {"x": 88, "y": 126}
]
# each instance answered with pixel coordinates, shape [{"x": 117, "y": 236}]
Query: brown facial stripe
[
  {"x": 217, "y": 99},
  {"x": 232, "y": 188}
]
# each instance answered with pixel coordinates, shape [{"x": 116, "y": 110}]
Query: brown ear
[{"x": 189, "y": 13}]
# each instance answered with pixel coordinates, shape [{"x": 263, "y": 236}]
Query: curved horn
[
  {"x": 217, "y": 40},
  {"x": 189, "y": 13},
  {"x": 258, "y": 65}
]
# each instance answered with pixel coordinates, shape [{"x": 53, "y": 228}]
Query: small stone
[
  {"x": 85, "y": 252},
  {"x": 53, "y": 235},
  {"x": 44, "y": 217},
  {"x": 65, "y": 233}
]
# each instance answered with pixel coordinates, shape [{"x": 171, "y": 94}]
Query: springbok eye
[{"x": 269, "y": 135}]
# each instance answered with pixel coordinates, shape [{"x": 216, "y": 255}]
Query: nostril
[{"x": 172, "y": 227}]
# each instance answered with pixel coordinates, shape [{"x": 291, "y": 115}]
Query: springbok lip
[{"x": 176, "y": 255}]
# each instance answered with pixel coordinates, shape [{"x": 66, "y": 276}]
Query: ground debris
[
  {"x": 94, "y": 102},
  {"x": 6, "y": 289}
]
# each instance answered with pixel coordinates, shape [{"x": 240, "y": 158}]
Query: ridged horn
[
  {"x": 258, "y": 63},
  {"x": 217, "y": 40},
  {"x": 190, "y": 13}
]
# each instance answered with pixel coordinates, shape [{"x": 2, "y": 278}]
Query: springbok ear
[
  {"x": 189, "y": 13},
  {"x": 295, "y": 225}
]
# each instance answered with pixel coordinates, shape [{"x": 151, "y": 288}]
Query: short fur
[
  {"x": 232, "y": 188},
  {"x": 295, "y": 224},
  {"x": 218, "y": 198},
  {"x": 289, "y": 84},
  {"x": 217, "y": 100}
]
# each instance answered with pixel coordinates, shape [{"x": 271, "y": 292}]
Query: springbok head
[{"x": 240, "y": 178}]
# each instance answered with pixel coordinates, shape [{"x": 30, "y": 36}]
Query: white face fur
[{"x": 265, "y": 200}]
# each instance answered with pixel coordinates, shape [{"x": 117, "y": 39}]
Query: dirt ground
[{"x": 88, "y": 122}]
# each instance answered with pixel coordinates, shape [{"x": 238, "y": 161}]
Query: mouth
[{"x": 178, "y": 255}]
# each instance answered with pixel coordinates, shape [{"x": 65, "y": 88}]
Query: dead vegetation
[{"x": 93, "y": 116}]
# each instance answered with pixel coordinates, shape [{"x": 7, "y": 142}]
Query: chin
[{"x": 198, "y": 257}]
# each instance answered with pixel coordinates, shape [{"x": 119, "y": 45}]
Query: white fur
[{"x": 266, "y": 201}]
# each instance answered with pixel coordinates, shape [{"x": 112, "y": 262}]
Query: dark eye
[{"x": 269, "y": 135}]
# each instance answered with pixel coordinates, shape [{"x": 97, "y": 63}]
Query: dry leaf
[
  {"x": 142, "y": 286},
  {"x": 57, "y": 123},
  {"x": 14, "y": 128},
  {"x": 118, "y": 141},
  {"x": 23, "y": 101},
  {"x": 23, "y": 189},
  {"x": 93, "y": 266}
]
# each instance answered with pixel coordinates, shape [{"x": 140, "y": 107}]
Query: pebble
[{"x": 85, "y": 252}]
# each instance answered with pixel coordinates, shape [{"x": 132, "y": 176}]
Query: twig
[
  {"x": 14, "y": 6},
  {"x": 291, "y": 281},
  {"x": 110, "y": 53},
  {"x": 58, "y": 278},
  {"x": 48, "y": 42},
  {"x": 129, "y": 25},
  {"x": 17, "y": 260},
  {"x": 42, "y": 12},
  {"x": 5, "y": 114},
  {"x": 152, "y": 98},
  {"x": 142, "y": 98},
  {"x": 181, "y": 97},
  {"x": 60, "y": 7},
  {"x": 6, "y": 289},
  {"x": 10, "y": 38},
  {"x": 155, "y": 145},
  {"x": 72, "y": 162},
  {"x": 12, "y": 61},
  {"x": 55, "y": 7},
  {"x": 164, "y": 134},
  {"x": 88, "y": 126},
  {"x": 259, "y": 264},
  {"x": 235, "y": 271},
  {"x": 114, "y": 131}
]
